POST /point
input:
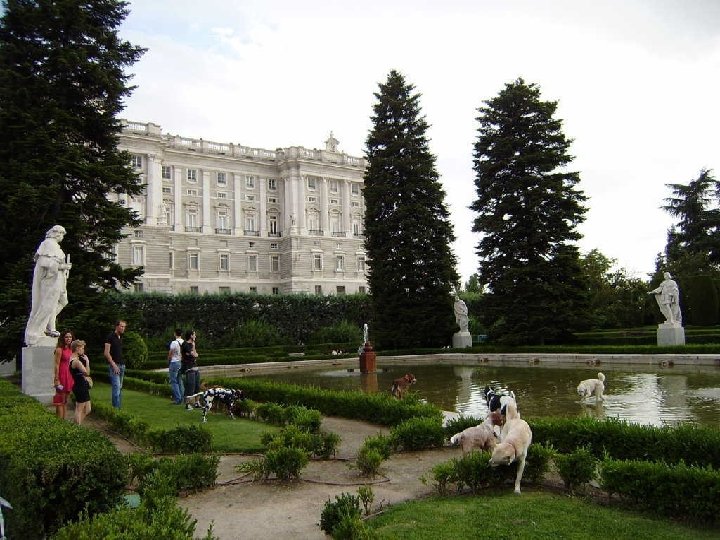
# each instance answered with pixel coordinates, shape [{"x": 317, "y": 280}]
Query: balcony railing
[
  {"x": 251, "y": 233},
  {"x": 315, "y": 232},
  {"x": 223, "y": 231},
  {"x": 188, "y": 228},
  {"x": 275, "y": 234},
  {"x": 338, "y": 234},
  {"x": 358, "y": 235}
]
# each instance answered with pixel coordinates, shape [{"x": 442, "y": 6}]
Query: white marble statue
[
  {"x": 667, "y": 296},
  {"x": 49, "y": 293},
  {"x": 461, "y": 313},
  {"x": 365, "y": 333}
]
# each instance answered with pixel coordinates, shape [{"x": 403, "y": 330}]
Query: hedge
[
  {"x": 621, "y": 440},
  {"x": 51, "y": 470}
]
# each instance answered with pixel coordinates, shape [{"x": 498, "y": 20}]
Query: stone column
[
  {"x": 207, "y": 227},
  {"x": 154, "y": 190},
  {"x": 262, "y": 207},
  {"x": 177, "y": 189},
  {"x": 237, "y": 217},
  {"x": 346, "y": 224},
  {"x": 324, "y": 212}
]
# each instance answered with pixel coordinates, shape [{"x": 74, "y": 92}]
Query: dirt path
[{"x": 239, "y": 508}]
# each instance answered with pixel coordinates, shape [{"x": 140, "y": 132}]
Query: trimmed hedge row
[
  {"x": 51, "y": 471},
  {"x": 621, "y": 440}
]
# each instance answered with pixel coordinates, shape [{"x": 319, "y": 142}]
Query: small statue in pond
[
  {"x": 667, "y": 296},
  {"x": 49, "y": 292}
]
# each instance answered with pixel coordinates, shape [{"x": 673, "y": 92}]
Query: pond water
[{"x": 644, "y": 394}]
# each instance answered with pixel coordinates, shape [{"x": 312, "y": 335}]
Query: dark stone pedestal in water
[{"x": 367, "y": 359}]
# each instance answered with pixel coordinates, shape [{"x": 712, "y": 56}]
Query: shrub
[
  {"x": 180, "y": 440},
  {"x": 135, "y": 351},
  {"x": 352, "y": 528},
  {"x": 272, "y": 413},
  {"x": 328, "y": 445},
  {"x": 345, "y": 504},
  {"x": 255, "y": 333},
  {"x": 286, "y": 463},
  {"x": 185, "y": 473},
  {"x": 418, "y": 434},
  {"x": 381, "y": 443},
  {"x": 342, "y": 332},
  {"x": 456, "y": 425},
  {"x": 537, "y": 462},
  {"x": 368, "y": 461},
  {"x": 680, "y": 491},
  {"x": 304, "y": 418},
  {"x": 443, "y": 475},
  {"x": 576, "y": 468},
  {"x": 366, "y": 498}
]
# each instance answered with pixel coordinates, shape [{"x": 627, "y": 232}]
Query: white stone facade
[{"x": 221, "y": 217}]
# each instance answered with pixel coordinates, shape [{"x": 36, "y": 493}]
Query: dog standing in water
[
  {"x": 401, "y": 385},
  {"x": 590, "y": 387}
]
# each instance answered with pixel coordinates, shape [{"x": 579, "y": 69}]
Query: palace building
[{"x": 223, "y": 217}]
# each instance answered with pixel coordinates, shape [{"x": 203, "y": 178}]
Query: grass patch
[
  {"x": 533, "y": 515},
  {"x": 239, "y": 435}
]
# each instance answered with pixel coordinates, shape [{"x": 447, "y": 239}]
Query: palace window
[
  {"x": 224, "y": 262},
  {"x": 136, "y": 161},
  {"x": 355, "y": 188},
  {"x": 250, "y": 182},
  {"x": 138, "y": 255},
  {"x": 340, "y": 263},
  {"x": 252, "y": 263},
  {"x": 272, "y": 184},
  {"x": 194, "y": 261},
  {"x": 317, "y": 261},
  {"x": 166, "y": 172},
  {"x": 192, "y": 175},
  {"x": 274, "y": 263},
  {"x": 221, "y": 179}
]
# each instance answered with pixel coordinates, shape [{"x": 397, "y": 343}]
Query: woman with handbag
[{"x": 80, "y": 369}]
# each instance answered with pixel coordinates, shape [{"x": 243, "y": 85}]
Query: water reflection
[{"x": 645, "y": 394}]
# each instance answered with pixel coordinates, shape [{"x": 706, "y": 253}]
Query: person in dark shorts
[{"x": 80, "y": 371}]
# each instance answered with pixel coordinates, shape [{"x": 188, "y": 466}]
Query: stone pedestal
[
  {"x": 670, "y": 334},
  {"x": 38, "y": 369},
  {"x": 369, "y": 383},
  {"x": 367, "y": 359},
  {"x": 462, "y": 340}
]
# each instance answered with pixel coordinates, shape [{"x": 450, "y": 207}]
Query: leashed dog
[
  {"x": 226, "y": 396},
  {"x": 590, "y": 387},
  {"x": 481, "y": 436},
  {"x": 515, "y": 440},
  {"x": 498, "y": 399},
  {"x": 401, "y": 385}
]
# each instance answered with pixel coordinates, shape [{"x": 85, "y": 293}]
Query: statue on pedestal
[
  {"x": 667, "y": 296},
  {"x": 49, "y": 292},
  {"x": 461, "y": 313}
]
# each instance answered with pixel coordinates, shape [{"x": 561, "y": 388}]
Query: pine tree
[
  {"x": 407, "y": 229},
  {"x": 698, "y": 230},
  {"x": 62, "y": 85},
  {"x": 527, "y": 208}
]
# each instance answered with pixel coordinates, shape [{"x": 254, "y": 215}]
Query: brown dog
[
  {"x": 481, "y": 436},
  {"x": 401, "y": 385}
]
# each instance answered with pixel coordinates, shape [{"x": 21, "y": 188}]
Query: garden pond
[{"x": 644, "y": 394}]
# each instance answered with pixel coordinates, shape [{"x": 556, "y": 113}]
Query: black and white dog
[
  {"x": 226, "y": 396},
  {"x": 498, "y": 399}
]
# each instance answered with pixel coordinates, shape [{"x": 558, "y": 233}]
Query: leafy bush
[
  {"x": 184, "y": 473},
  {"x": 461, "y": 423},
  {"x": 577, "y": 468},
  {"x": 537, "y": 462},
  {"x": 344, "y": 505},
  {"x": 180, "y": 440},
  {"x": 352, "y": 528},
  {"x": 286, "y": 463},
  {"x": 322, "y": 445},
  {"x": 621, "y": 440},
  {"x": 444, "y": 474},
  {"x": 328, "y": 445},
  {"x": 272, "y": 413},
  {"x": 418, "y": 434},
  {"x": 341, "y": 332},
  {"x": 304, "y": 418},
  {"x": 51, "y": 470},
  {"x": 135, "y": 351},
  {"x": 366, "y": 498},
  {"x": 368, "y": 461},
  {"x": 679, "y": 491},
  {"x": 254, "y": 333},
  {"x": 381, "y": 443}
]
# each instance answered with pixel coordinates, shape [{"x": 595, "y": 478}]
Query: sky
[{"x": 637, "y": 84}]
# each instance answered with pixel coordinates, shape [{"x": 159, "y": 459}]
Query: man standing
[
  {"x": 116, "y": 364},
  {"x": 174, "y": 357}
]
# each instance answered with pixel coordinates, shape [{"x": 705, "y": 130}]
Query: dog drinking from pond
[
  {"x": 515, "y": 439},
  {"x": 402, "y": 385},
  {"x": 592, "y": 387}
]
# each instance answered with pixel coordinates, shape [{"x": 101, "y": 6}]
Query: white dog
[
  {"x": 481, "y": 436},
  {"x": 590, "y": 387},
  {"x": 515, "y": 440}
]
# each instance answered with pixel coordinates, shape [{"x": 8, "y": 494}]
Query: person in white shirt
[{"x": 174, "y": 375}]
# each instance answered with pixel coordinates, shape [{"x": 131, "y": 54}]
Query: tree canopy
[
  {"x": 62, "y": 85},
  {"x": 528, "y": 208},
  {"x": 407, "y": 228}
]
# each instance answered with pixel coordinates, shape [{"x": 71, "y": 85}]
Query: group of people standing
[
  {"x": 72, "y": 371},
  {"x": 183, "y": 370}
]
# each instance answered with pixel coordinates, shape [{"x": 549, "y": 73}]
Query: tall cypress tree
[
  {"x": 407, "y": 228},
  {"x": 527, "y": 208},
  {"x": 62, "y": 85}
]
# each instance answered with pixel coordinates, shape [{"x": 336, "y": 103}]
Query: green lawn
[
  {"x": 239, "y": 435},
  {"x": 531, "y": 516}
]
